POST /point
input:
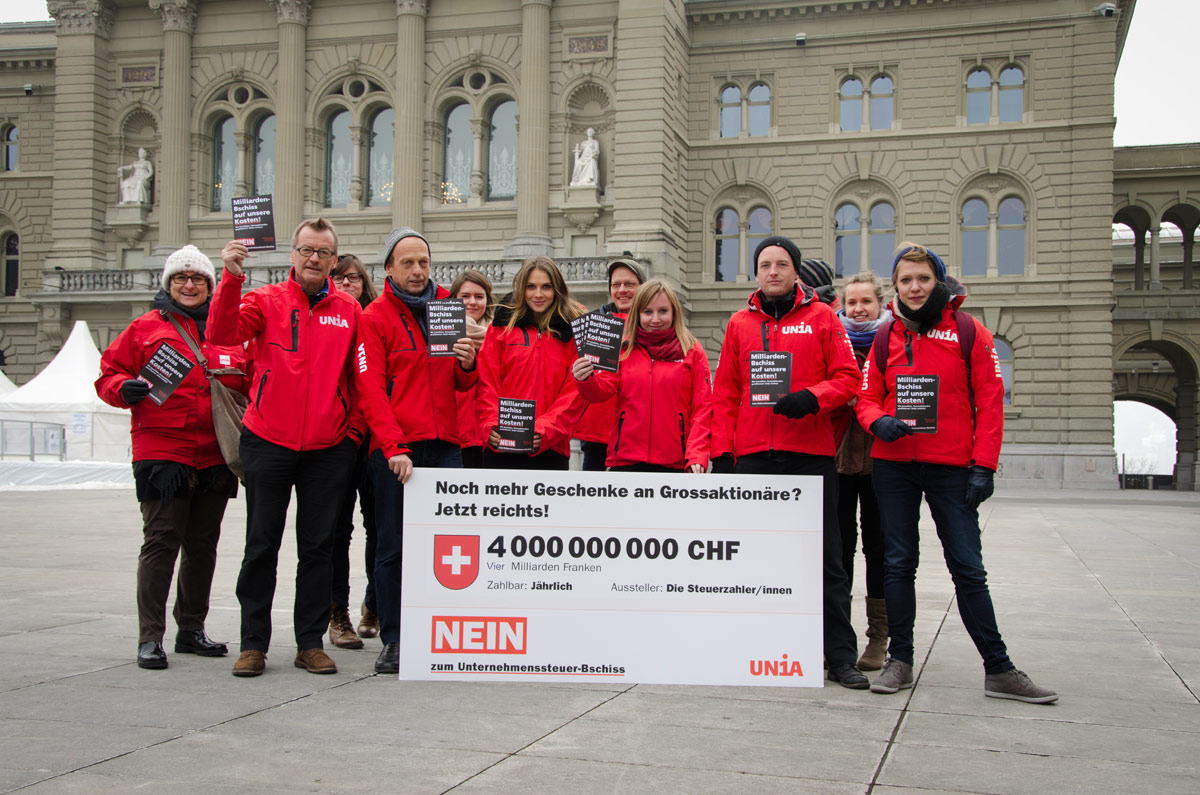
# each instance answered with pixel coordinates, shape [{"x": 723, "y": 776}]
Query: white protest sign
[{"x": 612, "y": 577}]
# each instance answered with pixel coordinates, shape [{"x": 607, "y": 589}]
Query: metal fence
[{"x": 35, "y": 441}]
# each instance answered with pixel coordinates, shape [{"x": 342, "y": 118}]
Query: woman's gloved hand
[
  {"x": 134, "y": 391},
  {"x": 795, "y": 405},
  {"x": 889, "y": 429},
  {"x": 980, "y": 485}
]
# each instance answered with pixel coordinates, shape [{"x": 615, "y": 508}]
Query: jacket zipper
[
  {"x": 262, "y": 383},
  {"x": 620, "y": 422},
  {"x": 682, "y": 439}
]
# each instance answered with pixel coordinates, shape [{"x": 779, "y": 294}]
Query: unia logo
[
  {"x": 948, "y": 336},
  {"x": 362, "y": 358},
  {"x": 797, "y": 328},
  {"x": 784, "y": 667},
  {"x": 334, "y": 320}
]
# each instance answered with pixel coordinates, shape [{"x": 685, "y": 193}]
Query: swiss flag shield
[{"x": 455, "y": 560}]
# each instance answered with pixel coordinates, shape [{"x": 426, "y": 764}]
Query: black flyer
[
  {"x": 515, "y": 425},
  {"x": 600, "y": 342},
  {"x": 163, "y": 371},
  {"x": 770, "y": 376},
  {"x": 447, "y": 325},
  {"x": 917, "y": 402},
  {"x": 254, "y": 222}
]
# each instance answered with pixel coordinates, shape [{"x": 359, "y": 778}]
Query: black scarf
[
  {"x": 417, "y": 304},
  {"x": 163, "y": 302},
  {"x": 560, "y": 328},
  {"x": 927, "y": 316}
]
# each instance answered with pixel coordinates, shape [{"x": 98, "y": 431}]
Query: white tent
[
  {"x": 64, "y": 392},
  {"x": 6, "y": 386}
]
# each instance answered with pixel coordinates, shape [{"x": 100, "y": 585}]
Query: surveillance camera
[
  {"x": 1105, "y": 9},
  {"x": 29, "y": 89},
  {"x": 800, "y": 39}
]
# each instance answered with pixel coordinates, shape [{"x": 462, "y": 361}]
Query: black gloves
[
  {"x": 889, "y": 429},
  {"x": 979, "y": 485},
  {"x": 134, "y": 391},
  {"x": 723, "y": 465},
  {"x": 795, "y": 405}
]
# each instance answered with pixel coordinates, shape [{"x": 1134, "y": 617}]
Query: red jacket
[
  {"x": 181, "y": 429},
  {"x": 597, "y": 422},
  {"x": 525, "y": 364},
  {"x": 822, "y": 362},
  {"x": 303, "y": 384},
  {"x": 405, "y": 394},
  {"x": 468, "y": 426},
  {"x": 664, "y": 409},
  {"x": 960, "y": 440}
]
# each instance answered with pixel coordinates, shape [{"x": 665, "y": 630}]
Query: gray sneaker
[
  {"x": 1018, "y": 686},
  {"x": 896, "y": 676}
]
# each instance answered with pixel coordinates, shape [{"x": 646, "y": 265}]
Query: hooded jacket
[
  {"x": 405, "y": 394},
  {"x": 181, "y": 429},
  {"x": 963, "y": 436},
  {"x": 822, "y": 362},
  {"x": 597, "y": 420},
  {"x": 301, "y": 397},
  {"x": 663, "y": 409},
  {"x": 523, "y": 363}
]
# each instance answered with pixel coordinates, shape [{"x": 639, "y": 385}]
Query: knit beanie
[
  {"x": 637, "y": 269},
  {"x": 189, "y": 258},
  {"x": 395, "y": 237},
  {"x": 786, "y": 245},
  {"x": 939, "y": 267},
  {"x": 815, "y": 273}
]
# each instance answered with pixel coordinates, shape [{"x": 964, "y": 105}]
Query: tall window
[
  {"x": 979, "y": 97},
  {"x": 224, "y": 165},
  {"x": 1010, "y": 237},
  {"x": 851, "y": 105},
  {"x": 9, "y": 136},
  {"x": 12, "y": 264},
  {"x": 264, "y": 156},
  {"x": 339, "y": 159},
  {"x": 502, "y": 152},
  {"x": 759, "y": 110},
  {"x": 457, "y": 155},
  {"x": 731, "y": 112},
  {"x": 1011, "y": 96},
  {"x": 380, "y": 154},
  {"x": 728, "y": 243},
  {"x": 993, "y": 237},
  {"x": 974, "y": 238},
  {"x": 736, "y": 241},
  {"x": 882, "y": 97},
  {"x": 1005, "y": 355},
  {"x": 995, "y": 99},
  {"x": 882, "y": 240},
  {"x": 847, "y": 240}
]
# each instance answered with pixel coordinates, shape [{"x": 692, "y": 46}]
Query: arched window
[
  {"x": 12, "y": 264},
  {"x": 760, "y": 223},
  {"x": 224, "y": 164},
  {"x": 1010, "y": 237},
  {"x": 728, "y": 244},
  {"x": 974, "y": 238},
  {"x": 264, "y": 156},
  {"x": 502, "y": 151},
  {"x": 760, "y": 110},
  {"x": 457, "y": 155},
  {"x": 979, "y": 97},
  {"x": 882, "y": 97},
  {"x": 847, "y": 240},
  {"x": 1005, "y": 356},
  {"x": 339, "y": 159},
  {"x": 851, "y": 105},
  {"x": 883, "y": 238},
  {"x": 731, "y": 112},
  {"x": 9, "y": 137},
  {"x": 1011, "y": 96},
  {"x": 380, "y": 153}
]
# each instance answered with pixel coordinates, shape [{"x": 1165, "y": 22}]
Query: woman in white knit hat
[{"x": 181, "y": 478}]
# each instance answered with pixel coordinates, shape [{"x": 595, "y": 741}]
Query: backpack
[{"x": 966, "y": 341}]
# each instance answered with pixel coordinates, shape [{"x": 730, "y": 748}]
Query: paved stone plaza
[{"x": 1098, "y": 596}]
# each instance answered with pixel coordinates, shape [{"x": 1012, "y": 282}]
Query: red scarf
[{"x": 661, "y": 345}]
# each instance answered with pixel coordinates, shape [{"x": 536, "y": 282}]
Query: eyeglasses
[
  {"x": 308, "y": 251},
  {"x": 349, "y": 276},
  {"x": 183, "y": 278}
]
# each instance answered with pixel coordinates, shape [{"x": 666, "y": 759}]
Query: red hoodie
[
  {"x": 597, "y": 422},
  {"x": 822, "y": 362},
  {"x": 405, "y": 394},
  {"x": 663, "y": 409},
  {"x": 302, "y": 393},
  {"x": 960, "y": 439}
]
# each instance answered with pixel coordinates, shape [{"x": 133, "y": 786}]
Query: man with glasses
[{"x": 298, "y": 432}]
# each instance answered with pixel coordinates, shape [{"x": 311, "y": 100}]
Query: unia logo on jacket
[
  {"x": 334, "y": 320},
  {"x": 362, "y": 358},
  {"x": 948, "y": 336},
  {"x": 797, "y": 328}
]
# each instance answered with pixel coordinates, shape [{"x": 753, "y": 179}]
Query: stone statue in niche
[
  {"x": 135, "y": 180},
  {"x": 587, "y": 161}
]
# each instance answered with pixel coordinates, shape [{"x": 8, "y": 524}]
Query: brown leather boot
[
  {"x": 368, "y": 625},
  {"x": 877, "y": 636},
  {"x": 341, "y": 631}
]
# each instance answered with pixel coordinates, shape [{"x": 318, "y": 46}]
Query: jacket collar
[{"x": 804, "y": 297}]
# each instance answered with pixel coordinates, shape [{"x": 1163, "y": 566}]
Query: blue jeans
[
  {"x": 898, "y": 490},
  {"x": 389, "y": 527}
]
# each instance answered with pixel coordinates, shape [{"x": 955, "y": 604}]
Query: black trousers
[
  {"x": 852, "y": 490},
  {"x": 360, "y": 487},
  {"x": 546, "y": 460},
  {"x": 840, "y": 644},
  {"x": 320, "y": 478}
]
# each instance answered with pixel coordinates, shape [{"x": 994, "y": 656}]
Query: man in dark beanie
[
  {"x": 794, "y": 436},
  {"x": 818, "y": 274}
]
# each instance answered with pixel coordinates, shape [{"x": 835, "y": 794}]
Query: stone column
[
  {"x": 174, "y": 156},
  {"x": 1139, "y": 259},
  {"x": 533, "y": 134},
  {"x": 85, "y": 173},
  {"x": 993, "y": 255},
  {"x": 408, "y": 160},
  {"x": 1189, "y": 240},
  {"x": 1155, "y": 261},
  {"x": 292, "y": 16},
  {"x": 864, "y": 243}
]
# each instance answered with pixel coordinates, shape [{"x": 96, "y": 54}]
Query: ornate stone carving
[
  {"x": 291, "y": 11},
  {"x": 134, "y": 180},
  {"x": 996, "y": 184},
  {"x": 411, "y": 7},
  {"x": 353, "y": 64},
  {"x": 587, "y": 161},
  {"x": 94, "y": 17},
  {"x": 236, "y": 73},
  {"x": 176, "y": 14}
]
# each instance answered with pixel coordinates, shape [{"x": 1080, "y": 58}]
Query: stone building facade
[{"x": 981, "y": 127}]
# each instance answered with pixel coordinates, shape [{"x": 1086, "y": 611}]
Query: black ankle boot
[
  {"x": 194, "y": 641},
  {"x": 151, "y": 655}
]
